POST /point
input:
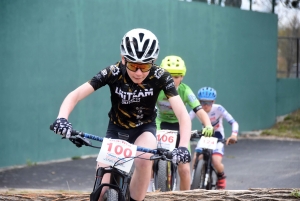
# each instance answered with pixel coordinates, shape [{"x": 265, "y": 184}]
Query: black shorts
[
  {"x": 171, "y": 126},
  {"x": 129, "y": 135}
]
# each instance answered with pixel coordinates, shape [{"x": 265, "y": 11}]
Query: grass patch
[
  {"x": 296, "y": 193},
  {"x": 76, "y": 157},
  {"x": 288, "y": 128},
  {"x": 30, "y": 163}
]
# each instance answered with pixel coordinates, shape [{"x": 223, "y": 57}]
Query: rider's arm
[
  {"x": 204, "y": 118},
  {"x": 182, "y": 115},
  {"x": 99, "y": 80},
  {"x": 192, "y": 114},
  {"x": 73, "y": 98},
  {"x": 194, "y": 103},
  {"x": 232, "y": 122}
]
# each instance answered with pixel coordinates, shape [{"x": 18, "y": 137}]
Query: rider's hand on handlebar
[
  {"x": 63, "y": 127},
  {"x": 181, "y": 155},
  {"x": 208, "y": 131},
  {"x": 231, "y": 140}
]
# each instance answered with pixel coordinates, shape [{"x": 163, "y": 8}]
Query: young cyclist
[
  {"x": 216, "y": 113},
  {"x": 166, "y": 118},
  {"x": 135, "y": 83}
]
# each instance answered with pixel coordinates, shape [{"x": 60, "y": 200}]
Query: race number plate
[
  {"x": 118, "y": 153},
  {"x": 208, "y": 142},
  {"x": 166, "y": 139}
]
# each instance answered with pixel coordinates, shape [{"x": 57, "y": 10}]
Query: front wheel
[
  {"x": 163, "y": 177},
  {"x": 110, "y": 195},
  {"x": 199, "y": 176}
]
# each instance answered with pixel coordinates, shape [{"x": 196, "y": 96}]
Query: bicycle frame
[
  {"x": 207, "y": 177},
  {"x": 208, "y": 182}
]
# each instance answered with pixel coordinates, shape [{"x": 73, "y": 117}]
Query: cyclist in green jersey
[{"x": 166, "y": 118}]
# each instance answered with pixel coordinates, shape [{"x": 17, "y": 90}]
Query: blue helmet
[{"x": 207, "y": 93}]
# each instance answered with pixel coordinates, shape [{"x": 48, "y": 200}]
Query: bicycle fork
[{"x": 207, "y": 171}]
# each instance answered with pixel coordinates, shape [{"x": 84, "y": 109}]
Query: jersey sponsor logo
[
  {"x": 169, "y": 78},
  {"x": 220, "y": 108},
  {"x": 104, "y": 72},
  {"x": 99, "y": 76},
  {"x": 159, "y": 72},
  {"x": 192, "y": 97},
  {"x": 171, "y": 85},
  {"x": 140, "y": 114},
  {"x": 131, "y": 97},
  {"x": 114, "y": 69},
  {"x": 139, "y": 123},
  {"x": 134, "y": 100}
]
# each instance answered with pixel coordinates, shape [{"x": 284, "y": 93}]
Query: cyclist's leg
[
  {"x": 200, "y": 157},
  {"x": 218, "y": 165},
  {"x": 217, "y": 162},
  {"x": 185, "y": 176},
  {"x": 150, "y": 186},
  {"x": 105, "y": 179},
  {"x": 142, "y": 173}
]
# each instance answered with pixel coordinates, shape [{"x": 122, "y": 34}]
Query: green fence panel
[
  {"x": 288, "y": 96},
  {"x": 48, "y": 48}
]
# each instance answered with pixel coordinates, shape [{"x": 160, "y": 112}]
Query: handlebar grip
[
  {"x": 169, "y": 155},
  {"x": 51, "y": 127}
]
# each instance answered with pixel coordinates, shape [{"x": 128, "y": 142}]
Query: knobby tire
[
  {"x": 199, "y": 176},
  {"x": 110, "y": 195},
  {"x": 162, "y": 176}
]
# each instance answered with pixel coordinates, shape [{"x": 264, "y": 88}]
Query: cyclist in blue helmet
[{"x": 216, "y": 113}]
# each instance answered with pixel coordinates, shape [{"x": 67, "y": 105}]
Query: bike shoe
[{"x": 221, "y": 183}]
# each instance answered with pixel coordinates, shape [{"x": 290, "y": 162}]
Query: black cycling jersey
[{"x": 133, "y": 104}]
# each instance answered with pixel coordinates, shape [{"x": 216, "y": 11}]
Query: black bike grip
[{"x": 51, "y": 127}]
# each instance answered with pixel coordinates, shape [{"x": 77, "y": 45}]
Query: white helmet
[{"x": 139, "y": 45}]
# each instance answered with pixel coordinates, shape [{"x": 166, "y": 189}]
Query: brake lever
[
  {"x": 155, "y": 157},
  {"x": 79, "y": 141}
]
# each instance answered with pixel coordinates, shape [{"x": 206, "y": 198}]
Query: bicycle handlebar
[
  {"x": 198, "y": 134},
  {"x": 161, "y": 153}
]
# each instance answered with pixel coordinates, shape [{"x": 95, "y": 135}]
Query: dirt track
[{"x": 193, "y": 195}]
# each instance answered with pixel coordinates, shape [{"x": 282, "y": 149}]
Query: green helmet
[{"x": 174, "y": 65}]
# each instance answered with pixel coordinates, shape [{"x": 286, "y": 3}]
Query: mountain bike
[
  {"x": 120, "y": 177},
  {"x": 164, "y": 171},
  {"x": 204, "y": 175}
]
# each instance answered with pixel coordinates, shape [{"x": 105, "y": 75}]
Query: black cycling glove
[
  {"x": 63, "y": 127},
  {"x": 181, "y": 155}
]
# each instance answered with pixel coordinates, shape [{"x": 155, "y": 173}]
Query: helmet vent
[
  {"x": 151, "y": 50},
  {"x": 128, "y": 47},
  {"x": 130, "y": 58},
  {"x": 122, "y": 48},
  {"x": 141, "y": 36}
]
